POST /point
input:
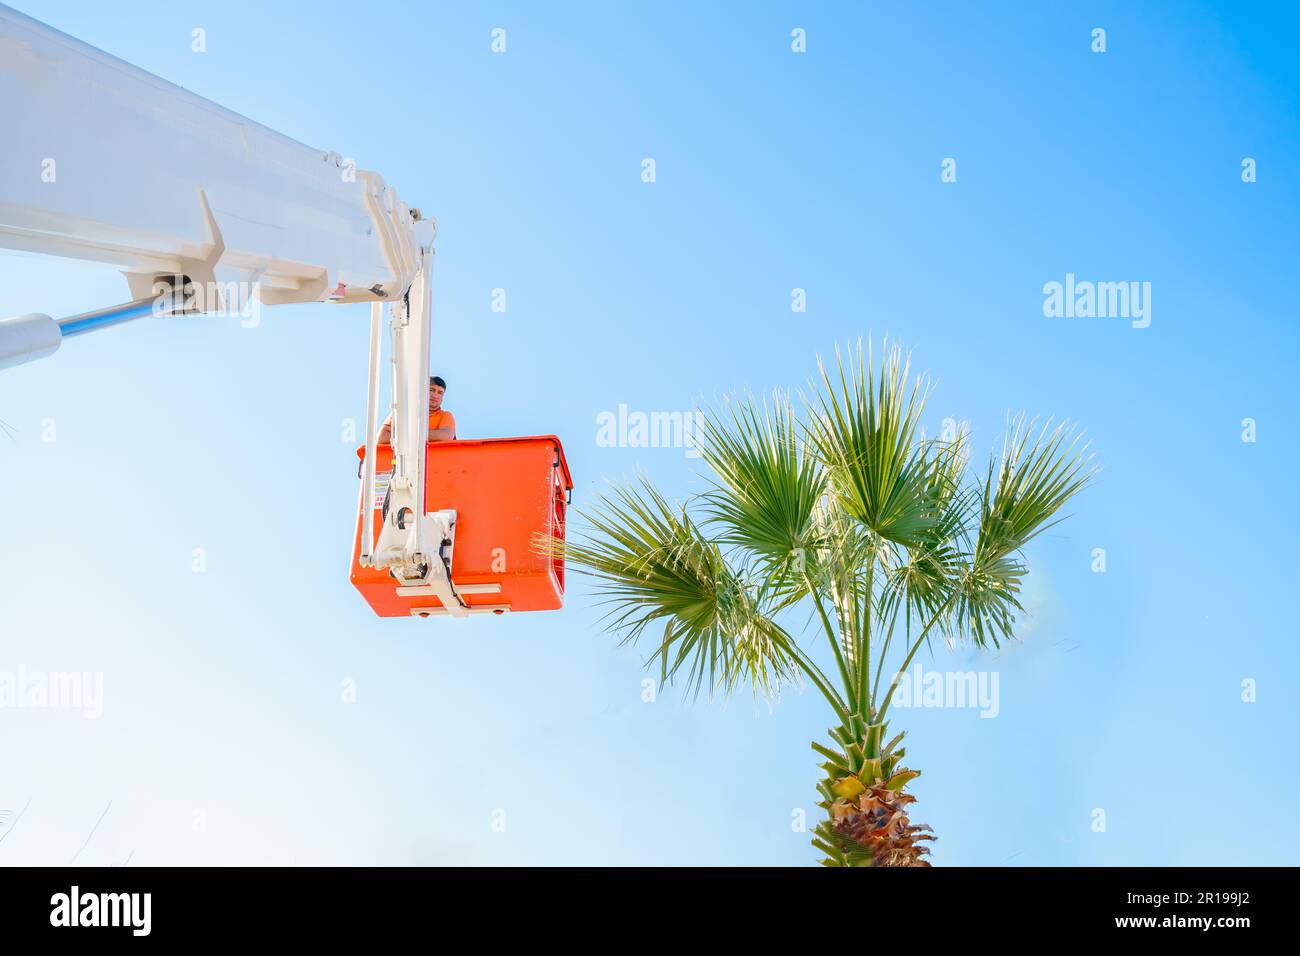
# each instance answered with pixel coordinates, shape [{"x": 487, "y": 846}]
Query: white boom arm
[{"x": 106, "y": 163}]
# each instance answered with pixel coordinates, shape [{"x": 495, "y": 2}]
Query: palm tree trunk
[{"x": 867, "y": 823}]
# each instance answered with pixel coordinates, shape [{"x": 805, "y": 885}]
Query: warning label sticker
[{"x": 381, "y": 489}]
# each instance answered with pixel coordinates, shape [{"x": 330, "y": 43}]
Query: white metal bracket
[
  {"x": 440, "y": 531},
  {"x": 414, "y": 546},
  {"x": 200, "y": 268}
]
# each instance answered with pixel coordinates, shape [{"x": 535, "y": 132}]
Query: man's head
[{"x": 437, "y": 388}]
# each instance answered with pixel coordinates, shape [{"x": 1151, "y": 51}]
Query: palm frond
[
  {"x": 1034, "y": 481},
  {"x": 767, "y": 486},
  {"x": 924, "y": 574},
  {"x": 654, "y": 566},
  {"x": 865, "y": 428},
  {"x": 1020, "y": 498}
]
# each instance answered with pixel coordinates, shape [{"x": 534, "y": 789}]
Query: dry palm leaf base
[{"x": 873, "y": 829}]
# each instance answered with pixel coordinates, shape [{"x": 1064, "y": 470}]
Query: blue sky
[{"x": 224, "y": 737}]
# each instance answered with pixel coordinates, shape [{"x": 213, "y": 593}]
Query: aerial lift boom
[{"x": 224, "y": 208}]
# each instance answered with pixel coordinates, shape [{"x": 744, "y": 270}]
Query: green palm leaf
[
  {"x": 653, "y": 566},
  {"x": 1020, "y": 498},
  {"x": 767, "y": 486},
  {"x": 865, "y": 431}
]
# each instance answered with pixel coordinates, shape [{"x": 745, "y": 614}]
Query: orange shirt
[
  {"x": 442, "y": 419},
  {"x": 439, "y": 419}
]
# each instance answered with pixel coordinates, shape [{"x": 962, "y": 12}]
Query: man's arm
[
  {"x": 435, "y": 434},
  {"x": 447, "y": 432}
]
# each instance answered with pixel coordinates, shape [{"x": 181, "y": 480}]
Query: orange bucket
[{"x": 504, "y": 491}]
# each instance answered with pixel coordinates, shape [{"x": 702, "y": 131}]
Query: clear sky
[{"x": 224, "y": 737}]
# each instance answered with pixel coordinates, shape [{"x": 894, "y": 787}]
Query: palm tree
[{"x": 852, "y": 513}]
